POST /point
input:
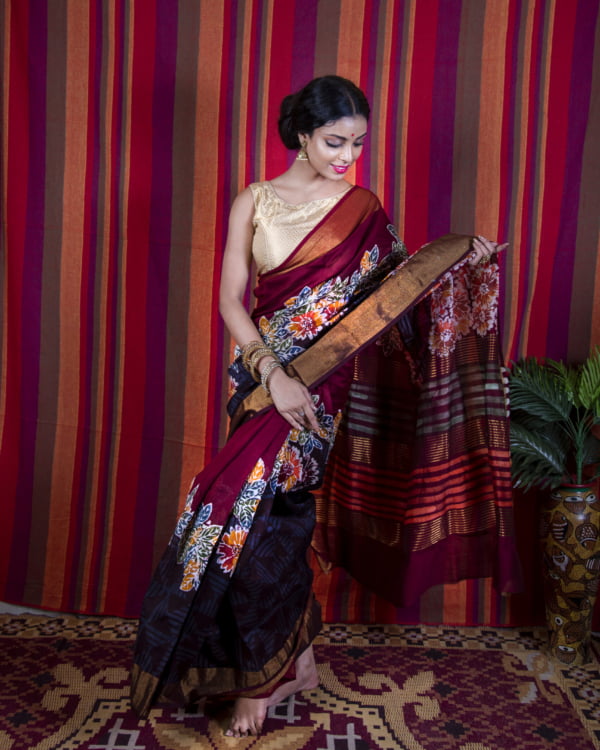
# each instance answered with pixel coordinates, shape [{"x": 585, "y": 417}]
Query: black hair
[{"x": 323, "y": 100}]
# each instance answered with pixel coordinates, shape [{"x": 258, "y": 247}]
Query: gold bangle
[
  {"x": 264, "y": 378},
  {"x": 257, "y": 355},
  {"x": 248, "y": 349}
]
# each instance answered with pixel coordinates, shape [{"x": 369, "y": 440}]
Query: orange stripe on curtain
[
  {"x": 349, "y": 51},
  {"x": 492, "y": 93},
  {"x": 381, "y": 118},
  {"x": 72, "y": 254},
  {"x": 205, "y": 238},
  {"x": 523, "y": 146}
]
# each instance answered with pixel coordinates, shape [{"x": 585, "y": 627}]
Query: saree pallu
[
  {"x": 418, "y": 488},
  {"x": 230, "y": 606}
]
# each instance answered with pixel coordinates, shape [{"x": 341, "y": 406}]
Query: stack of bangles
[{"x": 252, "y": 353}]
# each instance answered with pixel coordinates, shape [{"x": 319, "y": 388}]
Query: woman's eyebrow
[{"x": 343, "y": 138}]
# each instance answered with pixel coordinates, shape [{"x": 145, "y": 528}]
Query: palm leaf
[
  {"x": 554, "y": 407},
  {"x": 529, "y": 421},
  {"x": 538, "y": 459},
  {"x": 591, "y": 450},
  {"x": 589, "y": 384},
  {"x": 568, "y": 378},
  {"x": 532, "y": 475},
  {"x": 539, "y": 391}
]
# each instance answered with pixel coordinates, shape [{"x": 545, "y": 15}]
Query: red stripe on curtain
[{"x": 19, "y": 341}]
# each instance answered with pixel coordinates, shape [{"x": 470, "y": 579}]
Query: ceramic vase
[{"x": 570, "y": 540}]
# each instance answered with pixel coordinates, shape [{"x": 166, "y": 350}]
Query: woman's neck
[{"x": 300, "y": 183}]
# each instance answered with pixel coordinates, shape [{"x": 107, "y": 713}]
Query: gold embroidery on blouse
[{"x": 279, "y": 226}]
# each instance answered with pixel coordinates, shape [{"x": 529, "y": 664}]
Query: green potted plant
[{"x": 555, "y": 412}]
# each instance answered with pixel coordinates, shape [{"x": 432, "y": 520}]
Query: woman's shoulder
[
  {"x": 242, "y": 207},
  {"x": 258, "y": 188}
]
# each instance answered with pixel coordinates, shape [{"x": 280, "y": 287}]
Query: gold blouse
[{"x": 279, "y": 226}]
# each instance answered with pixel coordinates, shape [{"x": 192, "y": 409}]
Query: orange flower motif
[
  {"x": 486, "y": 287},
  {"x": 290, "y": 471},
  {"x": 330, "y": 310},
  {"x": 230, "y": 547},
  {"x": 462, "y": 315},
  {"x": 483, "y": 320},
  {"x": 190, "y": 575},
  {"x": 306, "y": 325}
]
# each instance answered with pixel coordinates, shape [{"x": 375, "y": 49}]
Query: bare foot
[
  {"x": 248, "y": 717},
  {"x": 249, "y": 713}
]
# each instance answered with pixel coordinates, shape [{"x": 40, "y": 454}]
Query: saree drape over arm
[{"x": 230, "y": 606}]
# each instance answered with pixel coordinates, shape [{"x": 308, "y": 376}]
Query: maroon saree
[{"x": 230, "y": 606}]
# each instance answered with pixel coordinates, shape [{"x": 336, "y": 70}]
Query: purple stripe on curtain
[
  {"x": 393, "y": 187},
  {"x": 370, "y": 87},
  {"x": 231, "y": 118},
  {"x": 31, "y": 301},
  {"x": 442, "y": 124},
  {"x": 255, "y": 68},
  {"x": 579, "y": 107},
  {"x": 303, "y": 54},
  {"x": 392, "y": 112}
]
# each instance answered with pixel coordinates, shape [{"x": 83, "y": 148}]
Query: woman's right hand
[{"x": 292, "y": 400}]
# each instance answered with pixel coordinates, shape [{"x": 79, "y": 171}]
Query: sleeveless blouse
[{"x": 279, "y": 226}]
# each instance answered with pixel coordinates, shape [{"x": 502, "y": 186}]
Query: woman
[{"x": 230, "y": 611}]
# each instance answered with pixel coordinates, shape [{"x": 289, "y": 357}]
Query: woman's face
[{"x": 335, "y": 146}]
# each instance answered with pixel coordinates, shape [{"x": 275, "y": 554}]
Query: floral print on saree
[
  {"x": 297, "y": 466},
  {"x": 306, "y": 315}
]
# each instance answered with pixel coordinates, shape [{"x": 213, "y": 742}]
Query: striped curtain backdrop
[{"x": 128, "y": 126}]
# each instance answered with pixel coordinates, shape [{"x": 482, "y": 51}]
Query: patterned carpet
[{"x": 64, "y": 685}]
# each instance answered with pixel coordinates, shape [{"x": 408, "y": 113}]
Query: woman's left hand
[{"x": 483, "y": 249}]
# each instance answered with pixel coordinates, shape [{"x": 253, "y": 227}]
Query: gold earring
[{"x": 302, "y": 155}]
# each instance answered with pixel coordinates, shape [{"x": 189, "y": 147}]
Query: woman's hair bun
[{"x": 287, "y": 131}]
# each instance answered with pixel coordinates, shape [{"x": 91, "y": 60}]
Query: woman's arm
[
  {"x": 236, "y": 269},
  {"x": 290, "y": 397}
]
